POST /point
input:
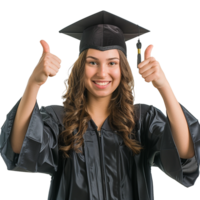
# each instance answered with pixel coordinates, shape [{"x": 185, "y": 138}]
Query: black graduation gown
[{"x": 107, "y": 170}]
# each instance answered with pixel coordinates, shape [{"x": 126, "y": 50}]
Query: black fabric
[{"x": 107, "y": 169}]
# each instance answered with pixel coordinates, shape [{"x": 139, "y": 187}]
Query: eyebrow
[{"x": 107, "y": 59}]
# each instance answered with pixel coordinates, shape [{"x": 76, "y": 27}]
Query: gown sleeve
[
  {"x": 39, "y": 152},
  {"x": 162, "y": 150}
]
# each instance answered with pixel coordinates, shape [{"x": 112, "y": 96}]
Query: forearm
[
  {"x": 178, "y": 123},
  {"x": 23, "y": 116}
]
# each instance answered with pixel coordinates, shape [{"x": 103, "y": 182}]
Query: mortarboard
[{"x": 104, "y": 31}]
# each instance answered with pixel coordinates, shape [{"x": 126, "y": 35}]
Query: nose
[{"x": 102, "y": 69}]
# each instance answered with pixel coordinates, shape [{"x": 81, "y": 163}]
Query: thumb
[
  {"x": 147, "y": 52},
  {"x": 45, "y": 46}
]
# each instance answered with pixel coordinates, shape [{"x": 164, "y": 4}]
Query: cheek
[
  {"x": 89, "y": 72},
  {"x": 116, "y": 74}
]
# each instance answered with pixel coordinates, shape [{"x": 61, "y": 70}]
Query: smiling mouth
[{"x": 102, "y": 82}]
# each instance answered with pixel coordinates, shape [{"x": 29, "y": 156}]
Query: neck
[{"x": 98, "y": 106}]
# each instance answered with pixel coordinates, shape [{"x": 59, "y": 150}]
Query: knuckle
[
  {"x": 46, "y": 67},
  {"x": 45, "y": 63},
  {"x": 45, "y": 57}
]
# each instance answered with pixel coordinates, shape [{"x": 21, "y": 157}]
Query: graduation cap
[{"x": 104, "y": 31}]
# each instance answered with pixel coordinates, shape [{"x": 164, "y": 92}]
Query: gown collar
[{"x": 92, "y": 126}]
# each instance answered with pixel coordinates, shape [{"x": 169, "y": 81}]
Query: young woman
[{"x": 99, "y": 144}]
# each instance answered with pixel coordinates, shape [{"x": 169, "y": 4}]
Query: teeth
[{"x": 101, "y": 83}]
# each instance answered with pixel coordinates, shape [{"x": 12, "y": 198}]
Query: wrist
[{"x": 32, "y": 83}]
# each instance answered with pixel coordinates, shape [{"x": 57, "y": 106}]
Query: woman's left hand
[{"x": 150, "y": 70}]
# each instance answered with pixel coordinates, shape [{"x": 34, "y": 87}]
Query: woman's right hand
[{"x": 48, "y": 65}]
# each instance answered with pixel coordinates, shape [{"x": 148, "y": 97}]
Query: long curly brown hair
[{"x": 121, "y": 108}]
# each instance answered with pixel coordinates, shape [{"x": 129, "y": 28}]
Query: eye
[
  {"x": 91, "y": 62},
  {"x": 110, "y": 62}
]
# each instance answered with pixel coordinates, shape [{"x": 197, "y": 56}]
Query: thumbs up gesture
[
  {"x": 150, "y": 70},
  {"x": 48, "y": 65}
]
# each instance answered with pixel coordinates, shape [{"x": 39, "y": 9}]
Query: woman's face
[{"x": 102, "y": 66}]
